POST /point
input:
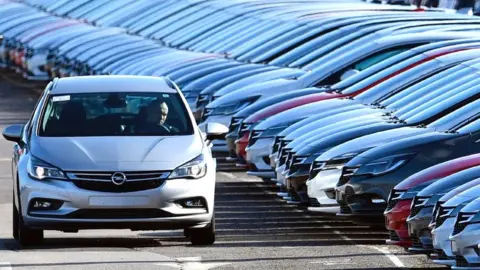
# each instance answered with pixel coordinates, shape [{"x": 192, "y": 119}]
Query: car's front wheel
[
  {"x": 203, "y": 236},
  {"x": 24, "y": 235}
]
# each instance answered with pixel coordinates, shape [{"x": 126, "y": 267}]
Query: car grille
[
  {"x": 206, "y": 113},
  {"x": 418, "y": 204},
  {"x": 244, "y": 128},
  {"x": 462, "y": 222},
  {"x": 288, "y": 160},
  {"x": 276, "y": 143},
  {"x": 345, "y": 209},
  {"x": 442, "y": 215},
  {"x": 254, "y": 136},
  {"x": 283, "y": 156},
  {"x": 315, "y": 168},
  {"x": 441, "y": 255},
  {"x": 297, "y": 163},
  {"x": 393, "y": 236},
  {"x": 394, "y": 198},
  {"x": 313, "y": 202},
  {"x": 283, "y": 143},
  {"x": 336, "y": 163},
  {"x": 416, "y": 242},
  {"x": 460, "y": 261},
  {"x": 135, "y": 181},
  {"x": 118, "y": 214},
  {"x": 347, "y": 173},
  {"x": 234, "y": 124}
]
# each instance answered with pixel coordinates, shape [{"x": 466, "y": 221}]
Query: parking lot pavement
[{"x": 255, "y": 230}]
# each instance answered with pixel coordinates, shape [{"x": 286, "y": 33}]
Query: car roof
[{"x": 112, "y": 83}]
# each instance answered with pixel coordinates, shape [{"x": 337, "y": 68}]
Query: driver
[{"x": 156, "y": 115}]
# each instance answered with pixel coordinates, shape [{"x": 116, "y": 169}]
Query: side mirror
[
  {"x": 13, "y": 133},
  {"x": 215, "y": 131}
]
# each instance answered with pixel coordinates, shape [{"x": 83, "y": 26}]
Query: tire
[
  {"x": 14, "y": 221},
  {"x": 22, "y": 234},
  {"x": 203, "y": 236}
]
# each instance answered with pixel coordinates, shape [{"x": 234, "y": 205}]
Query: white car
[
  {"x": 443, "y": 221},
  {"x": 465, "y": 237}
]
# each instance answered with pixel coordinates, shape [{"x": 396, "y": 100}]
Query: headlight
[
  {"x": 384, "y": 165},
  {"x": 40, "y": 170},
  {"x": 194, "y": 169}
]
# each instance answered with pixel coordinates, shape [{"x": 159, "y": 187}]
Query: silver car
[{"x": 112, "y": 152}]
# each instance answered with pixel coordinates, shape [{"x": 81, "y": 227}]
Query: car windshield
[{"x": 115, "y": 114}]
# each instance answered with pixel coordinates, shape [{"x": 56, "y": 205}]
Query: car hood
[
  {"x": 452, "y": 181},
  {"x": 471, "y": 207},
  {"x": 330, "y": 106},
  {"x": 292, "y": 115},
  {"x": 117, "y": 153},
  {"x": 399, "y": 146},
  {"x": 262, "y": 89},
  {"x": 462, "y": 193},
  {"x": 336, "y": 123},
  {"x": 360, "y": 144},
  {"x": 257, "y": 106},
  {"x": 332, "y": 125},
  {"x": 439, "y": 171},
  {"x": 339, "y": 136},
  {"x": 286, "y": 105}
]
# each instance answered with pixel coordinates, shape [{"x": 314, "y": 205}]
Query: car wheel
[
  {"x": 24, "y": 235},
  {"x": 203, "y": 236}
]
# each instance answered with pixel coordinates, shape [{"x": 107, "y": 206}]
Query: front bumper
[
  {"x": 419, "y": 232},
  {"x": 357, "y": 200},
  {"x": 466, "y": 243},
  {"x": 396, "y": 223},
  {"x": 153, "y": 209},
  {"x": 257, "y": 154},
  {"x": 441, "y": 243},
  {"x": 322, "y": 187}
]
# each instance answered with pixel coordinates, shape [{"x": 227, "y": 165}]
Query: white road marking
[
  {"x": 394, "y": 259},
  {"x": 192, "y": 263},
  {"x": 5, "y": 266},
  {"x": 333, "y": 262},
  {"x": 229, "y": 175},
  {"x": 243, "y": 179},
  {"x": 5, "y": 159}
]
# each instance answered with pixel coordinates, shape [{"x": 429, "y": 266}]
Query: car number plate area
[{"x": 118, "y": 201}]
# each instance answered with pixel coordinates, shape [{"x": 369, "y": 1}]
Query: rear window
[{"x": 115, "y": 114}]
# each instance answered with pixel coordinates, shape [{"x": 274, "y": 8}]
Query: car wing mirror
[
  {"x": 215, "y": 131},
  {"x": 13, "y": 133}
]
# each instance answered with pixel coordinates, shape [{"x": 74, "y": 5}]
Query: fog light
[
  {"x": 45, "y": 204},
  {"x": 194, "y": 203},
  {"x": 42, "y": 204},
  {"x": 197, "y": 202}
]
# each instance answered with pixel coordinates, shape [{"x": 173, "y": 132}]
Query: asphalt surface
[{"x": 255, "y": 230}]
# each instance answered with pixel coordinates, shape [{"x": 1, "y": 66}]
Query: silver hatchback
[{"x": 112, "y": 152}]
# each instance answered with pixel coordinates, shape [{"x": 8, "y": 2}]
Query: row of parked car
[{"x": 368, "y": 111}]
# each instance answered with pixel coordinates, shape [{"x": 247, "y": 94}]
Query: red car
[
  {"x": 242, "y": 142},
  {"x": 398, "y": 204}
]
